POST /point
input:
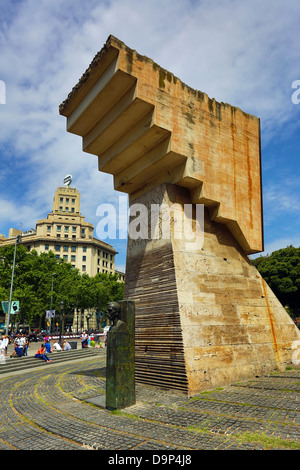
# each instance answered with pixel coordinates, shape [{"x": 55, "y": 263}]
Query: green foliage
[
  {"x": 33, "y": 282},
  {"x": 281, "y": 270}
]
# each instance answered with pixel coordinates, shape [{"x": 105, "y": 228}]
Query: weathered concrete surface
[
  {"x": 204, "y": 316},
  {"x": 146, "y": 127}
]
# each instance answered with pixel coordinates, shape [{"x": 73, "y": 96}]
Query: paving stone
[{"x": 50, "y": 409}]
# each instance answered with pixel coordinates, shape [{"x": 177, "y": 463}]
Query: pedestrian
[
  {"x": 56, "y": 345},
  {"x": 2, "y": 349},
  {"x": 66, "y": 346},
  {"x": 22, "y": 343},
  {"x": 48, "y": 347},
  {"x": 84, "y": 340},
  {"x": 17, "y": 351},
  {"x": 41, "y": 354},
  {"x": 5, "y": 344},
  {"x": 26, "y": 345}
]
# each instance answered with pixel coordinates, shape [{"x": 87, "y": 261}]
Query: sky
[{"x": 246, "y": 53}]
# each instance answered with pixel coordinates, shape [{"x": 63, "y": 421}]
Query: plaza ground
[{"x": 55, "y": 407}]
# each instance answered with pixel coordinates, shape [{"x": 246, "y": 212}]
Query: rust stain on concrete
[
  {"x": 250, "y": 195},
  {"x": 271, "y": 321}
]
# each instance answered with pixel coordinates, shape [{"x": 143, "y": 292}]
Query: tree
[
  {"x": 33, "y": 282},
  {"x": 281, "y": 270}
]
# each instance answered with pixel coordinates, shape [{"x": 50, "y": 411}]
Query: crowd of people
[{"x": 22, "y": 343}]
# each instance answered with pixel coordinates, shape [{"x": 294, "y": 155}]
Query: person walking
[
  {"x": 84, "y": 340},
  {"x": 26, "y": 345},
  {"x": 5, "y": 342}
]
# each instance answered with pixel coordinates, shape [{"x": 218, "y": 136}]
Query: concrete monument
[{"x": 204, "y": 315}]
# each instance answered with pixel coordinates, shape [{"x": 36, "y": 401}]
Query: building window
[
  {"x": 84, "y": 249},
  {"x": 58, "y": 228},
  {"x": 84, "y": 258},
  {"x": 66, "y": 228},
  {"x": 73, "y": 201},
  {"x": 61, "y": 199},
  {"x": 60, "y": 208},
  {"x": 72, "y": 210},
  {"x": 73, "y": 258},
  {"x": 47, "y": 247},
  {"x": 48, "y": 228},
  {"x": 83, "y": 267},
  {"x": 74, "y": 229},
  {"x": 67, "y": 209},
  {"x": 57, "y": 256},
  {"x": 66, "y": 248},
  {"x": 66, "y": 257},
  {"x": 57, "y": 247},
  {"x": 73, "y": 248},
  {"x": 67, "y": 200}
]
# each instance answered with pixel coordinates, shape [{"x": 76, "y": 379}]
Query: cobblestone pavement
[{"x": 48, "y": 409}]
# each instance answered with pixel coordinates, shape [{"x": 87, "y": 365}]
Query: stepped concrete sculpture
[{"x": 204, "y": 315}]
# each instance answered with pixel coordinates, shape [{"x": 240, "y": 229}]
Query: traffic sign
[
  {"x": 5, "y": 304},
  {"x": 15, "y": 308}
]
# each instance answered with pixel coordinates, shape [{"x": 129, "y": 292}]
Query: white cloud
[{"x": 244, "y": 53}]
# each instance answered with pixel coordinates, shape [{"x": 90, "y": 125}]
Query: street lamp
[
  {"x": 53, "y": 274},
  {"x": 18, "y": 240},
  {"x": 61, "y": 316}
]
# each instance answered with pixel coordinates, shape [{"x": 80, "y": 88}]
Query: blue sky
[{"x": 245, "y": 53}]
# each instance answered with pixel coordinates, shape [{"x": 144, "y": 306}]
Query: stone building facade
[{"x": 68, "y": 235}]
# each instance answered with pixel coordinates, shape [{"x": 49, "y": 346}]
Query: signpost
[{"x": 10, "y": 306}]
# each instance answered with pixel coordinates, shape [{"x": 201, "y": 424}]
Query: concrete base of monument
[
  {"x": 204, "y": 317},
  {"x": 99, "y": 400}
]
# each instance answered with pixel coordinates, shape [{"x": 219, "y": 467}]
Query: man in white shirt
[{"x": 56, "y": 346}]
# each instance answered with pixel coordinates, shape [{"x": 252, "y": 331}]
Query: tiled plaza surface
[{"x": 51, "y": 408}]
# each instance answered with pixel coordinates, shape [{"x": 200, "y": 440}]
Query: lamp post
[
  {"x": 18, "y": 240},
  {"x": 61, "y": 316},
  {"x": 53, "y": 274}
]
